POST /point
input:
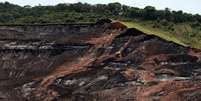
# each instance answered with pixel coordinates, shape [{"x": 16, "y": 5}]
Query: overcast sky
[{"x": 191, "y": 6}]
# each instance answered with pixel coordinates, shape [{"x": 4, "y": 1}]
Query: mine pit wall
[
  {"x": 50, "y": 31},
  {"x": 30, "y": 51},
  {"x": 31, "y": 54}
]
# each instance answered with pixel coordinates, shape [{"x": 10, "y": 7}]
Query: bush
[{"x": 164, "y": 22}]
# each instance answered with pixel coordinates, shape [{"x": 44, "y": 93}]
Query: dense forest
[{"x": 83, "y": 12}]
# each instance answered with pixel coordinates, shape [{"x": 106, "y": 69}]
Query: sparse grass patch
[{"x": 169, "y": 35}]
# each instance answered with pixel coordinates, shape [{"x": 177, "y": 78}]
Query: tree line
[{"x": 83, "y": 12}]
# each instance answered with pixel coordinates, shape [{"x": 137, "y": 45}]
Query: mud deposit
[{"x": 94, "y": 62}]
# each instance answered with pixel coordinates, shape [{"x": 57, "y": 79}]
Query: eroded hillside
[{"x": 94, "y": 62}]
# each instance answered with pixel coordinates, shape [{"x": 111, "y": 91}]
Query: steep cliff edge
[{"x": 94, "y": 62}]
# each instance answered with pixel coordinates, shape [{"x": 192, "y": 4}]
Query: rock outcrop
[{"x": 95, "y": 62}]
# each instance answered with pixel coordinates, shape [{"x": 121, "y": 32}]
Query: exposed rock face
[{"x": 95, "y": 62}]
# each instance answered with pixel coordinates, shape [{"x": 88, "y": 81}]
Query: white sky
[{"x": 191, "y": 6}]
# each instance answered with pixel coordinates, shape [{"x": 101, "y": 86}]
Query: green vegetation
[
  {"x": 185, "y": 41},
  {"x": 183, "y": 33},
  {"x": 83, "y": 12},
  {"x": 151, "y": 31},
  {"x": 178, "y": 26}
]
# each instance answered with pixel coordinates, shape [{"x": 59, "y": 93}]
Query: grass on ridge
[{"x": 163, "y": 34}]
